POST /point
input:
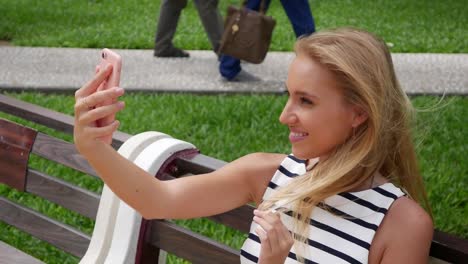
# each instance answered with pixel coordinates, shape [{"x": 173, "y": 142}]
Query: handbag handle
[{"x": 262, "y": 5}]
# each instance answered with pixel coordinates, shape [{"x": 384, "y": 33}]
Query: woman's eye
[{"x": 305, "y": 101}]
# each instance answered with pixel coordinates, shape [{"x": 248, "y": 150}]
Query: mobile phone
[{"x": 109, "y": 57}]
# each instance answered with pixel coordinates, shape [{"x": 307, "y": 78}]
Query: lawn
[
  {"x": 411, "y": 26},
  {"x": 206, "y": 121}
]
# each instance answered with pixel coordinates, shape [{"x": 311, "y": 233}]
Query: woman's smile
[{"x": 297, "y": 136}]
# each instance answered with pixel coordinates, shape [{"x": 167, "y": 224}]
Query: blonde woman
[{"x": 350, "y": 192}]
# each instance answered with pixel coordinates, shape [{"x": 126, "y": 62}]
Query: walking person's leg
[
  {"x": 169, "y": 14},
  {"x": 300, "y": 16},
  {"x": 211, "y": 19},
  {"x": 229, "y": 67}
]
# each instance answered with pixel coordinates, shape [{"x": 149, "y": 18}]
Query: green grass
[
  {"x": 207, "y": 122},
  {"x": 412, "y": 26}
]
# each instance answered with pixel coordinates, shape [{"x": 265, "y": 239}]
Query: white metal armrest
[
  {"x": 127, "y": 225},
  {"x": 109, "y": 202}
]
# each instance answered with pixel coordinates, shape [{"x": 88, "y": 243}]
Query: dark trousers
[
  {"x": 302, "y": 21},
  {"x": 169, "y": 14}
]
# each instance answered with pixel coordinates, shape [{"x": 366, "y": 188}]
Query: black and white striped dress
[{"x": 343, "y": 236}]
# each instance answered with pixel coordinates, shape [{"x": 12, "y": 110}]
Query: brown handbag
[{"x": 247, "y": 33}]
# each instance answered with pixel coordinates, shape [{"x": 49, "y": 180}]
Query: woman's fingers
[
  {"x": 272, "y": 226},
  {"x": 88, "y": 115},
  {"x": 93, "y": 84},
  {"x": 100, "y": 87},
  {"x": 106, "y": 95},
  {"x": 98, "y": 132},
  {"x": 276, "y": 242},
  {"x": 264, "y": 239},
  {"x": 95, "y": 99},
  {"x": 89, "y": 111},
  {"x": 100, "y": 112}
]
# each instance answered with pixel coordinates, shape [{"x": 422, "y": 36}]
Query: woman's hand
[
  {"x": 90, "y": 109},
  {"x": 276, "y": 241}
]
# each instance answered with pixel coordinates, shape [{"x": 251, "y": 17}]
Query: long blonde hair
[{"x": 363, "y": 66}]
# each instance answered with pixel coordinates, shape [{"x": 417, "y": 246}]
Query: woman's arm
[
  {"x": 243, "y": 180},
  {"x": 404, "y": 236}
]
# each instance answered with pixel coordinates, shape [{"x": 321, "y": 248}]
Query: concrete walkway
[{"x": 66, "y": 69}]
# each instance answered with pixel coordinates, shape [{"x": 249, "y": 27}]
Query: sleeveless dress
[{"x": 343, "y": 236}]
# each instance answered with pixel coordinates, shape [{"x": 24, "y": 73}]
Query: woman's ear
[{"x": 359, "y": 116}]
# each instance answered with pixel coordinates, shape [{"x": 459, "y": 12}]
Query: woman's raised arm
[{"x": 241, "y": 181}]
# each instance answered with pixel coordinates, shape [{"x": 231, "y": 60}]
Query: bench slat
[
  {"x": 9, "y": 254},
  {"x": 239, "y": 218},
  {"x": 63, "y": 193},
  {"x": 190, "y": 245},
  {"x": 62, "y": 152},
  {"x": 62, "y": 122},
  {"x": 44, "y": 228},
  {"x": 449, "y": 248},
  {"x": 198, "y": 164},
  {"x": 37, "y": 114},
  {"x": 47, "y": 117}
]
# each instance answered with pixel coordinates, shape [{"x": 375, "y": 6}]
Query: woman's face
[{"x": 316, "y": 113}]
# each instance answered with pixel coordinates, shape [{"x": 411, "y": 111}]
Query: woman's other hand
[
  {"x": 276, "y": 241},
  {"x": 89, "y": 109}
]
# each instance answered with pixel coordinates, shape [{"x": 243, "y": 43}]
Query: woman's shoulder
[
  {"x": 408, "y": 216},
  {"x": 405, "y": 233}
]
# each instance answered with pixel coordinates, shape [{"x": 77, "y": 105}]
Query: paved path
[{"x": 66, "y": 69}]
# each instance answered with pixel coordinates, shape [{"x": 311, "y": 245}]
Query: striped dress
[{"x": 343, "y": 236}]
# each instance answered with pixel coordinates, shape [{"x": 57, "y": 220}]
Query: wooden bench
[{"x": 16, "y": 144}]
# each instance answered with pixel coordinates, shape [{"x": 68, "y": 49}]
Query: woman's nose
[{"x": 287, "y": 117}]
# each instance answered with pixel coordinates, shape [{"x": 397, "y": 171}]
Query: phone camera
[{"x": 103, "y": 55}]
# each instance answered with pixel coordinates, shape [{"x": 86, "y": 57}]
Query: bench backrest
[{"x": 159, "y": 234}]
